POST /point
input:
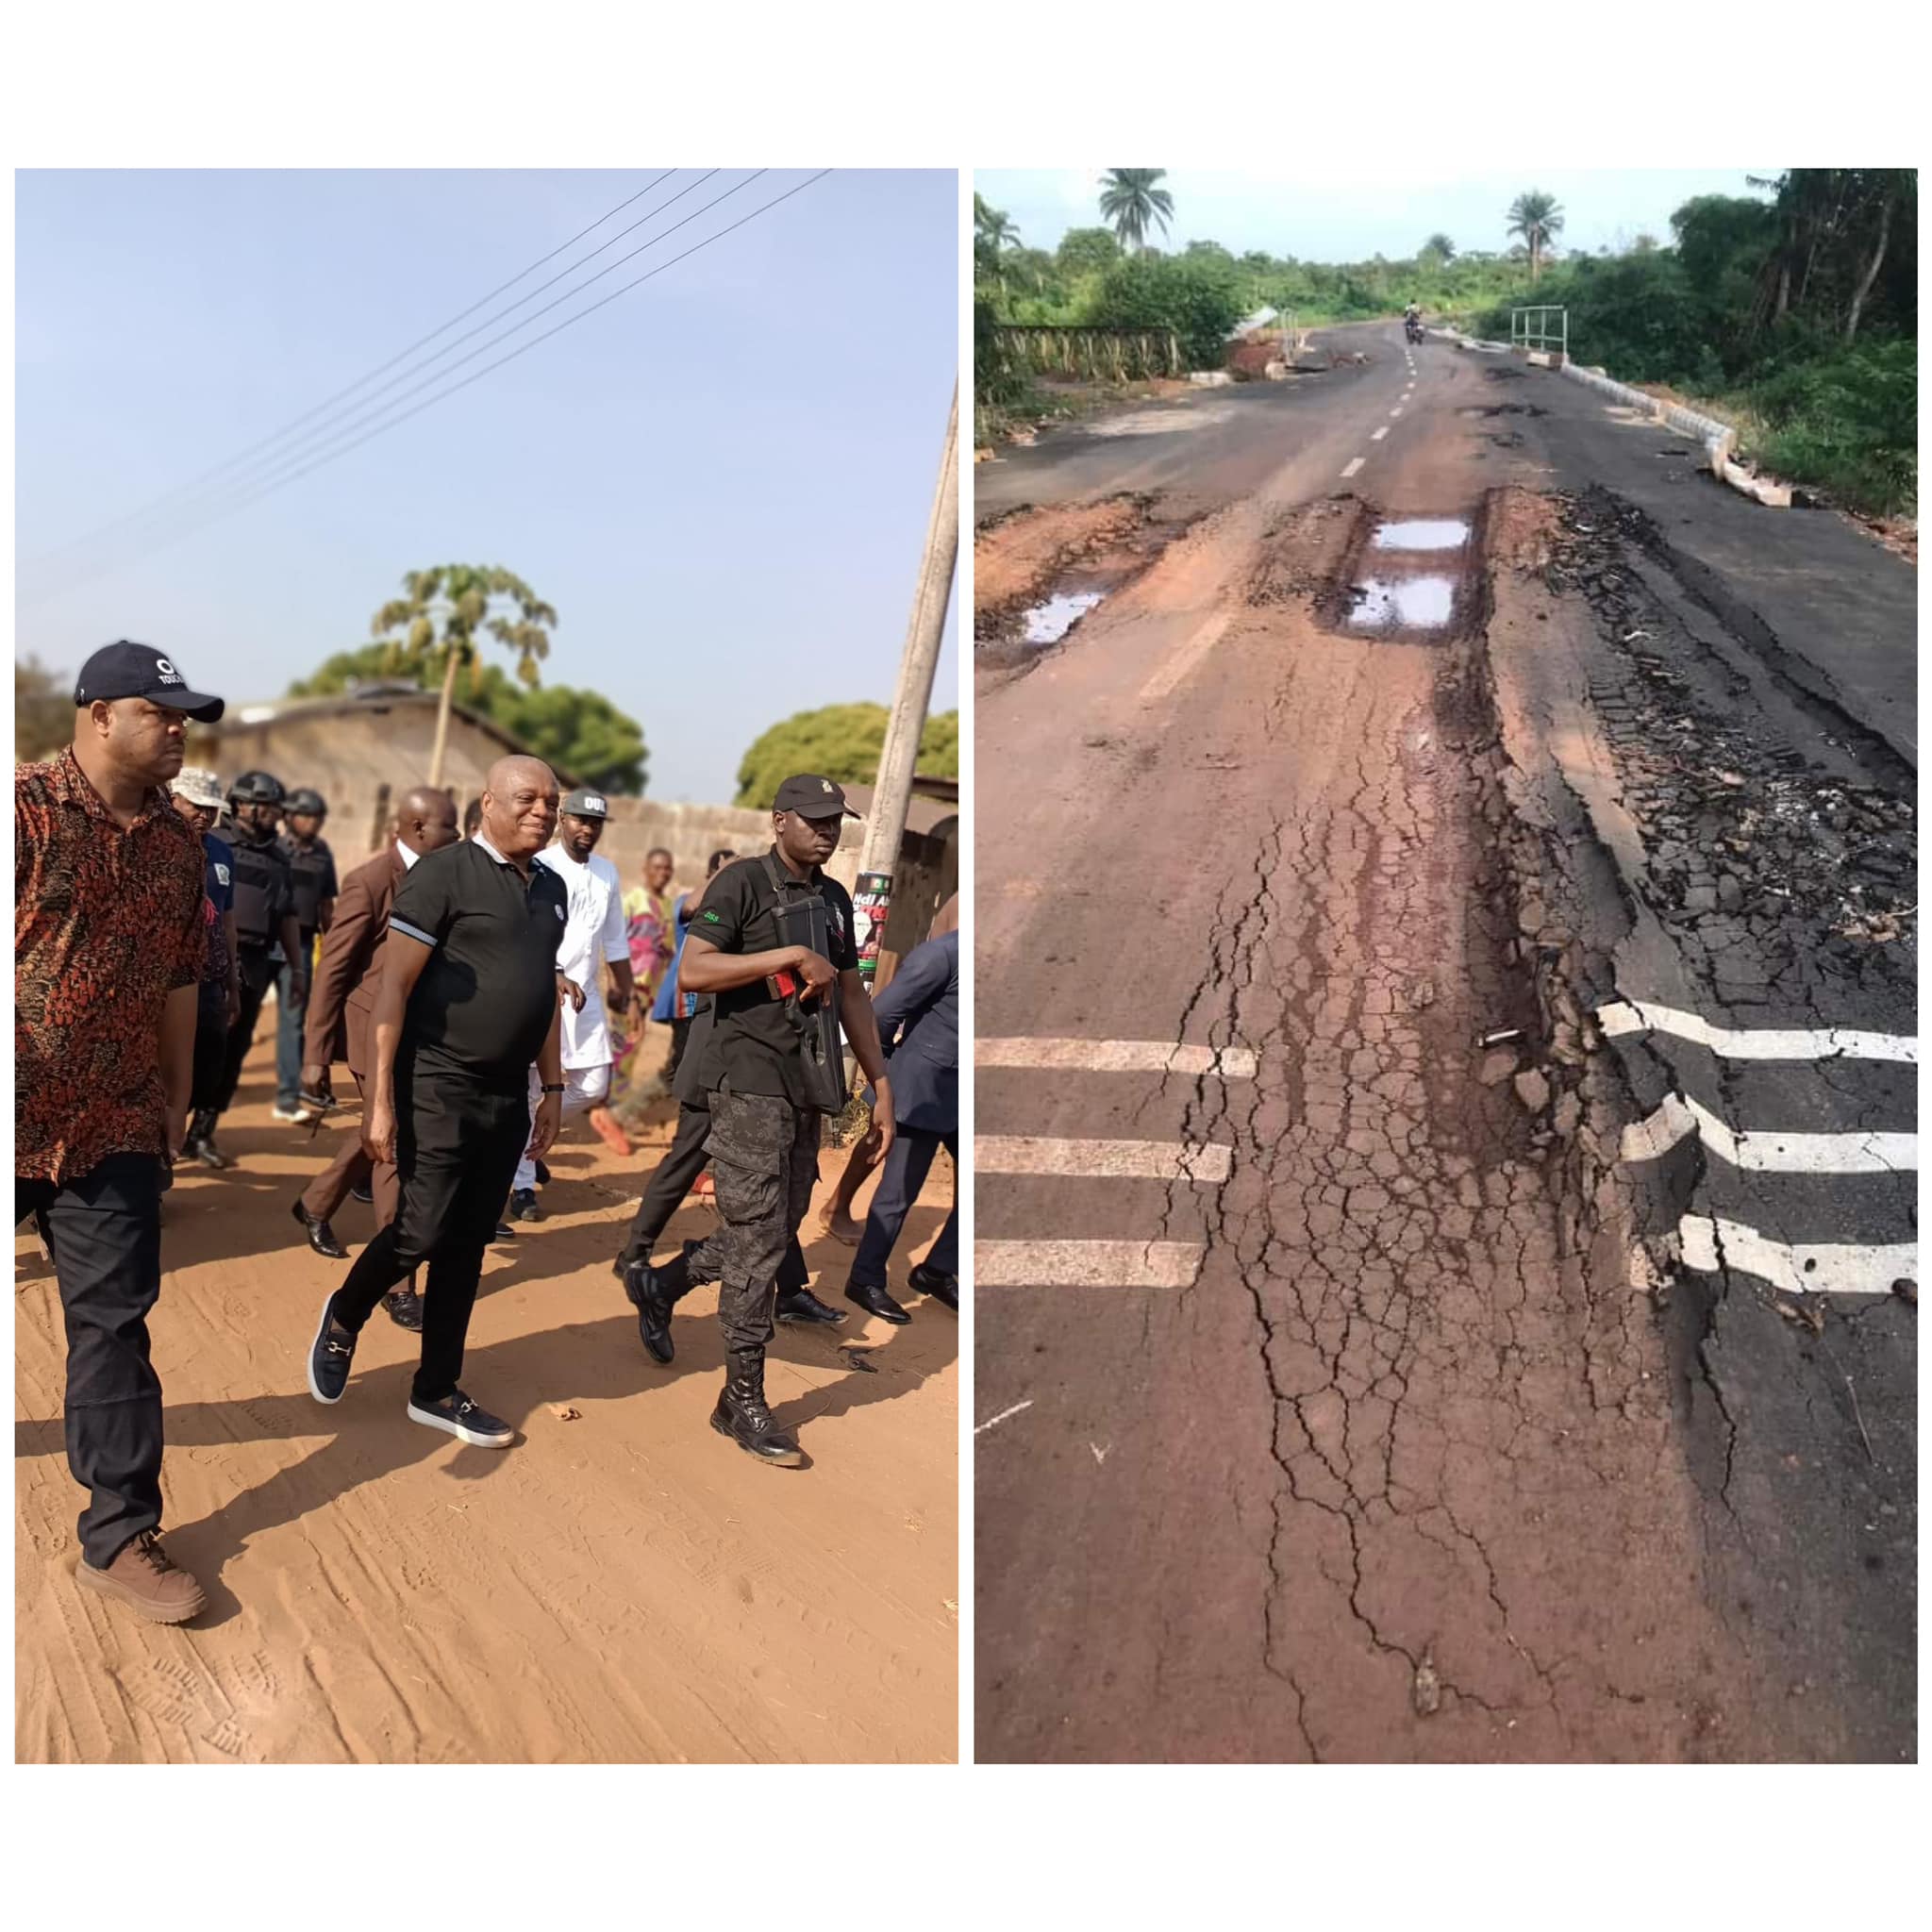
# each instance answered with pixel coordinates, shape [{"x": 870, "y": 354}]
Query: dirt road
[
  {"x": 1445, "y": 1107},
  {"x": 621, "y": 1585}
]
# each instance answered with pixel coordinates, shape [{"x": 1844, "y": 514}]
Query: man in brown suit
[{"x": 339, "y": 1004}]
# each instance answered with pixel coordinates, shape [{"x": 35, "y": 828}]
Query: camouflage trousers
[{"x": 764, "y": 1158}]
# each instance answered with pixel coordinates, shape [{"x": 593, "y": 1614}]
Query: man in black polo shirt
[
  {"x": 773, "y": 944},
  {"x": 468, "y": 1002}
]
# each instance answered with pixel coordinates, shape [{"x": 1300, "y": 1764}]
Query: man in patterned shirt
[{"x": 109, "y": 930}]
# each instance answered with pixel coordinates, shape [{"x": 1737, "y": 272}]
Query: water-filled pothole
[
  {"x": 1421, "y": 533},
  {"x": 1401, "y": 603},
  {"x": 1048, "y": 622}
]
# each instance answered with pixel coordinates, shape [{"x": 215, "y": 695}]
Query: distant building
[{"x": 361, "y": 750}]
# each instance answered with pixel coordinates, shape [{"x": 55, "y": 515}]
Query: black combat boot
[
  {"x": 654, "y": 1292},
  {"x": 741, "y": 1413}
]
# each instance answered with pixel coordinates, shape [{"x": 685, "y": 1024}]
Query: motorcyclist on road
[{"x": 1412, "y": 322}]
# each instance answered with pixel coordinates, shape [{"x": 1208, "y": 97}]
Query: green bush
[
  {"x": 1200, "y": 296},
  {"x": 1848, "y": 421}
]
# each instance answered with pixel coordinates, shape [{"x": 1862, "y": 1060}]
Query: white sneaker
[{"x": 293, "y": 1114}]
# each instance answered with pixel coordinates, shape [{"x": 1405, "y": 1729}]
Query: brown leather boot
[
  {"x": 741, "y": 1413},
  {"x": 142, "y": 1577}
]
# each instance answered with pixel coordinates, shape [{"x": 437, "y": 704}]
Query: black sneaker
[
  {"x": 464, "y": 1420},
  {"x": 330, "y": 1356},
  {"x": 404, "y": 1307},
  {"x": 801, "y": 1305},
  {"x": 364, "y": 1194},
  {"x": 542, "y": 1175},
  {"x": 523, "y": 1206},
  {"x": 504, "y": 1232}
]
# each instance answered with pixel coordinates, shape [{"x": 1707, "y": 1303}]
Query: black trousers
[
  {"x": 458, "y": 1145},
  {"x": 673, "y": 1179},
  {"x": 104, "y": 1231},
  {"x": 210, "y": 1059},
  {"x": 680, "y": 1032},
  {"x": 900, "y": 1180},
  {"x": 258, "y": 975}
]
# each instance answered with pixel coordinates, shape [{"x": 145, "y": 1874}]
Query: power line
[
  {"x": 268, "y": 488},
  {"x": 239, "y": 488},
  {"x": 195, "y": 483}
]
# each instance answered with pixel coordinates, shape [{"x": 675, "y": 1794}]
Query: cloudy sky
[
  {"x": 1367, "y": 207},
  {"x": 720, "y": 480}
]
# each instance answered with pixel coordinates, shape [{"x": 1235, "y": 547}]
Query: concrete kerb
[{"x": 1719, "y": 438}]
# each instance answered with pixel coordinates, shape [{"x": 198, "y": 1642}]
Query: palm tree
[
  {"x": 442, "y": 613},
  {"x": 1130, "y": 200},
  {"x": 994, "y": 235},
  {"x": 1538, "y": 220}
]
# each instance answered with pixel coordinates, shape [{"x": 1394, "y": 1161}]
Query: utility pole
[{"x": 886, "y": 822}]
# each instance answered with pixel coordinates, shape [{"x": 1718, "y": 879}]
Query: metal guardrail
[{"x": 1530, "y": 327}]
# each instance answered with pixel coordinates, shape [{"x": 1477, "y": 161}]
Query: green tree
[
  {"x": 1438, "y": 251},
  {"x": 43, "y": 710},
  {"x": 445, "y": 613},
  {"x": 1132, "y": 201},
  {"x": 842, "y": 743},
  {"x": 1539, "y": 219},
  {"x": 995, "y": 237},
  {"x": 1083, "y": 251},
  {"x": 580, "y": 732}
]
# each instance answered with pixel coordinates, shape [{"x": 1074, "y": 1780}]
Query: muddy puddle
[
  {"x": 1048, "y": 622},
  {"x": 1412, "y": 578}
]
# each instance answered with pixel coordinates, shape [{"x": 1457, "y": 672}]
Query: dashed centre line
[
  {"x": 1353, "y": 468},
  {"x": 1379, "y": 433},
  {"x": 1169, "y": 675},
  {"x": 1155, "y": 1160},
  {"x": 1117, "y": 1057}
]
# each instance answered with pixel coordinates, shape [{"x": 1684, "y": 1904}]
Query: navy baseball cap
[
  {"x": 139, "y": 670},
  {"x": 812, "y": 797}
]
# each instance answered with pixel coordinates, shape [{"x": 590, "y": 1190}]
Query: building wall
[{"x": 350, "y": 759}]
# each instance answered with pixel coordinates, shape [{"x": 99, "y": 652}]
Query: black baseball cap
[
  {"x": 139, "y": 670},
  {"x": 811, "y": 797}
]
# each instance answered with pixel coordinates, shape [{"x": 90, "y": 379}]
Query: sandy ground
[{"x": 622, "y": 1585}]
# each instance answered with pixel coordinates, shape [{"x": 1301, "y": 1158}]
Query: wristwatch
[{"x": 553, "y": 1090}]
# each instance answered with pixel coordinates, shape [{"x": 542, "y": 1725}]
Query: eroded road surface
[{"x": 1446, "y": 1135}]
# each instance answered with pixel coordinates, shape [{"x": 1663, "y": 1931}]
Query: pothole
[{"x": 1411, "y": 580}]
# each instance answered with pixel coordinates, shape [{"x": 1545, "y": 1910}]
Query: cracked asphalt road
[{"x": 1442, "y": 1449}]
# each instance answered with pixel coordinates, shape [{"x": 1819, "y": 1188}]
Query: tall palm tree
[
  {"x": 1538, "y": 220},
  {"x": 445, "y": 613},
  {"x": 1130, "y": 201}
]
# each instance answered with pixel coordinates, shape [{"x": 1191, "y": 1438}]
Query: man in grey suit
[{"x": 919, "y": 1027}]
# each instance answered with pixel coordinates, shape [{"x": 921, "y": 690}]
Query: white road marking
[
  {"x": 1155, "y": 1160},
  {"x": 1768, "y": 1153},
  {"x": 1116, "y": 1057},
  {"x": 1379, "y": 433},
  {"x": 1757, "y": 1042},
  {"x": 993, "y": 1422},
  {"x": 1086, "y": 1264},
  {"x": 1353, "y": 468},
  {"x": 1169, "y": 675},
  {"x": 1823, "y": 1268}
]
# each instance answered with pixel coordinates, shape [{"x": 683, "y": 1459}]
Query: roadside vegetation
[{"x": 1793, "y": 311}]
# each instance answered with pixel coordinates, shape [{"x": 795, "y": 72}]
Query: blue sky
[
  {"x": 720, "y": 480},
  {"x": 1386, "y": 204}
]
